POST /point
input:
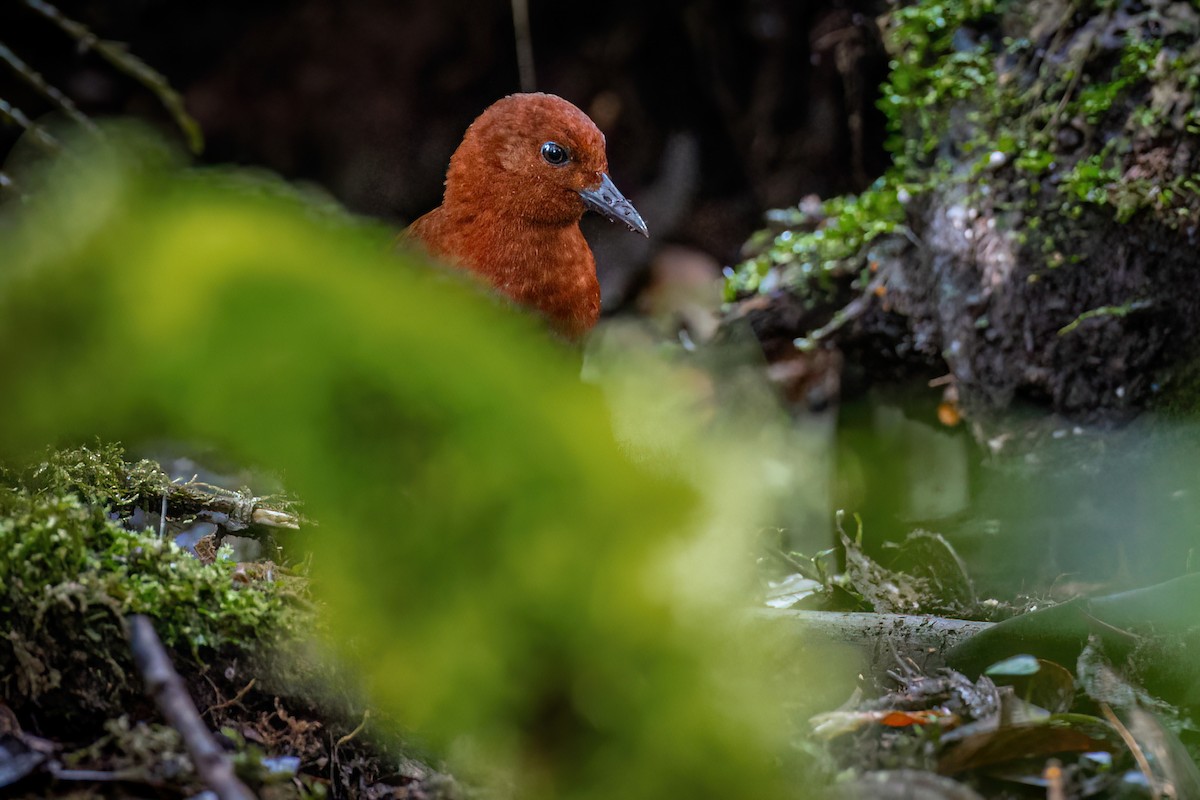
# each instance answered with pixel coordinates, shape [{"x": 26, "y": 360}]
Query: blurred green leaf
[{"x": 506, "y": 578}]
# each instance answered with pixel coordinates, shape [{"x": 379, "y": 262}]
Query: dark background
[{"x": 714, "y": 112}]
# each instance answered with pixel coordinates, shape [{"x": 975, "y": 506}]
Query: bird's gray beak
[{"x": 608, "y": 200}]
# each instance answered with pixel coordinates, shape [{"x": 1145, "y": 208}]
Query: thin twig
[
  {"x": 46, "y": 89},
  {"x": 1105, "y": 311},
  {"x": 167, "y": 689},
  {"x": 1157, "y": 789},
  {"x": 7, "y": 184},
  {"x": 39, "y": 134},
  {"x": 850, "y": 312},
  {"x": 235, "y": 700},
  {"x": 116, "y": 54},
  {"x": 354, "y": 733},
  {"x": 789, "y": 560},
  {"x": 129, "y": 775},
  {"x": 524, "y": 41}
]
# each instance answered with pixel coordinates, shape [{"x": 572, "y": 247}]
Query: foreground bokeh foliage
[{"x": 501, "y": 570}]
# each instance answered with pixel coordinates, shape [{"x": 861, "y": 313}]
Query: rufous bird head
[
  {"x": 526, "y": 170},
  {"x": 541, "y": 159}
]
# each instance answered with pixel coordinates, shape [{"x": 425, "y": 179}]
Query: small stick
[
  {"x": 1157, "y": 789},
  {"x": 235, "y": 700},
  {"x": 40, "y": 136},
  {"x": 7, "y": 184},
  {"x": 128, "y": 775},
  {"x": 350, "y": 736},
  {"x": 164, "y": 685},
  {"x": 524, "y": 40}
]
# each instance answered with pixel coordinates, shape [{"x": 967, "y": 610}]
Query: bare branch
[{"x": 167, "y": 689}]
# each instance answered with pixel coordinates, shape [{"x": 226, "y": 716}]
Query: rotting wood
[{"x": 233, "y": 510}]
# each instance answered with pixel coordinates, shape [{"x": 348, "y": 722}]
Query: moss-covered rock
[{"x": 1046, "y": 165}]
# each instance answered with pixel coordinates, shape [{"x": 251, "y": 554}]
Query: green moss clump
[
  {"x": 818, "y": 248},
  {"x": 814, "y": 252},
  {"x": 70, "y": 573},
  {"x": 938, "y": 62},
  {"x": 98, "y": 475}
]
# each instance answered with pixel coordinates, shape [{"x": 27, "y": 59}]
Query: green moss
[
  {"x": 816, "y": 248},
  {"x": 69, "y": 574},
  {"x": 1096, "y": 181},
  {"x": 1042, "y": 127},
  {"x": 98, "y": 475},
  {"x": 928, "y": 73},
  {"x": 1179, "y": 398},
  {"x": 1105, "y": 311},
  {"x": 934, "y": 65}
]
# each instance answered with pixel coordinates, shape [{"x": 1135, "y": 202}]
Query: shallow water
[{"x": 1032, "y": 503}]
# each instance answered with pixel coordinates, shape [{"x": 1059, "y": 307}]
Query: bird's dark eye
[{"x": 555, "y": 154}]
